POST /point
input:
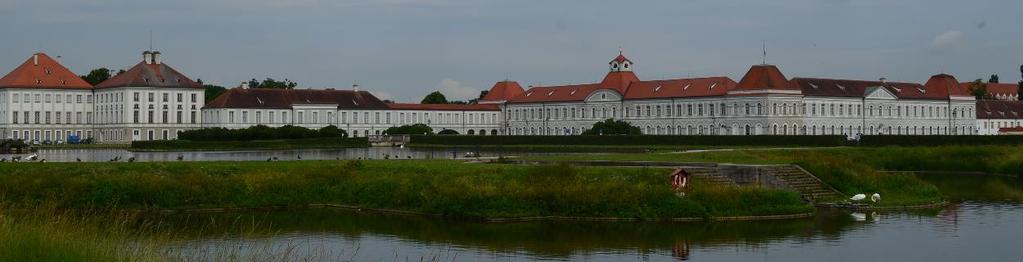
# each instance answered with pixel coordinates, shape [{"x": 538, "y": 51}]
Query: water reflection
[{"x": 968, "y": 230}]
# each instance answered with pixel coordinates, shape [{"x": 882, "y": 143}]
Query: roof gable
[
  {"x": 42, "y": 71},
  {"x": 878, "y": 92}
]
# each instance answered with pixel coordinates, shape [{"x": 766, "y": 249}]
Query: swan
[
  {"x": 875, "y": 197},
  {"x": 858, "y": 197}
]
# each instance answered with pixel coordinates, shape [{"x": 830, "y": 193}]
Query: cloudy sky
[{"x": 403, "y": 49}]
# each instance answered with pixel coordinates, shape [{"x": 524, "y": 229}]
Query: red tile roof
[
  {"x": 445, "y": 107},
  {"x": 619, "y": 80},
  {"x": 943, "y": 86},
  {"x": 693, "y": 87},
  {"x": 621, "y": 58},
  {"x": 852, "y": 88},
  {"x": 503, "y": 91},
  {"x": 996, "y": 109},
  {"x": 764, "y": 77},
  {"x": 285, "y": 98},
  {"x": 150, "y": 75},
  {"x": 42, "y": 71},
  {"x": 996, "y": 88},
  {"x": 567, "y": 93}
]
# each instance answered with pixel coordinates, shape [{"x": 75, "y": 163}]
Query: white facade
[
  {"x": 356, "y": 122},
  {"x": 126, "y": 114},
  {"x": 45, "y": 114}
]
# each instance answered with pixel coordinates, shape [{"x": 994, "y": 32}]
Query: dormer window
[
  {"x": 686, "y": 87},
  {"x": 47, "y": 70},
  {"x": 529, "y": 94},
  {"x": 813, "y": 85},
  {"x": 550, "y": 93},
  {"x": 840, "y": 87},
  {"x": 39, "y": 81},
  {"x": 713, "y": 85},
  {"x": 571, "y": 93},
  {"x": 658, "y": 88},
  {"x": 921, "y": 90}
]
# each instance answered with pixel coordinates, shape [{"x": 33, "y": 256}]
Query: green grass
[
  {"x": 855, "y": 170},
  {"x": 183, "y": 145},
  {"x": 43, "y": 234},
  {"x": 435, "y": 187}
]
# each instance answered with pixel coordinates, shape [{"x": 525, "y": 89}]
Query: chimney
[
  {"x": 147, "y": 57},
  {"x": 355, "y": 87},
  {"x": 884, "y": 80},
  {"x": 35, "y": 59},
  {"x": 156, "y": 57}
]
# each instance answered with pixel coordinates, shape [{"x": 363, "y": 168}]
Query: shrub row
[
  {"x": 260, "y": 132},
  {"x": 634, "y": 140},
  {"x": 931, "y": 140},
  {"x": 326, "y": 142}
]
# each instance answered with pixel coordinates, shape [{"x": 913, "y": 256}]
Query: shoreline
[{"x": 388, "y": 211}]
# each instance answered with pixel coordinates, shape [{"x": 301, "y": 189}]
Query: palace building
[
  {"x": 41, "y": 100},
  {"x": 763, "y": 102}
]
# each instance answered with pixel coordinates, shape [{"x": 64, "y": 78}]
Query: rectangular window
[
  {"x": 136, "y": 96},
  {"x": 15, "y": 120},
  {"x": 57, "y": 99},
  {"x": 78, "y": 99},
  {"x": 230, "y": 117},
  {"x": 15, "y": 100},
  {"x": 193, "y": 98},
  {"x": 192, "y": 119},
  {"x": 88, "y": 99},
  {"x": 135, "y": 117},
  {"x": 38, "y": 99},
  {"x": 150, "y": 96},
  {"x": 180, "y": 98},
  {"x": 165, "y": 96}
]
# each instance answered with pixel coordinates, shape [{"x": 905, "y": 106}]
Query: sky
[{"x": 404, "y": 49}]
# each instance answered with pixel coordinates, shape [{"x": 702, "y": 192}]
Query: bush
[
  {"x": 260, "y": 132},
  {"x": 447, "y": 132},
  {"x": 634, "y": 140},
  {"x": 416, "y": 129},
  {"x": 613, "y": 127}
]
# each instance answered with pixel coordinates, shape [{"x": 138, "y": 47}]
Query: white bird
[
  {"x": 858, "y": 197},
  {"x": 875, "y": 197}
]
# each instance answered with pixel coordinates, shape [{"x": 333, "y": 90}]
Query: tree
[
  {"x": 993, "y": 79},
  {"x": 416, "y": 129},
  {"x": 613, "y": 127},
  {"x": 978, "y": 89},
  {"x": 271, "y": 83},
  {"x": 213, "y": 91},
  {"x": 332, "y": 131},
  {"x": 435, "y": 98},
  {"x": 97, "y": 76}
]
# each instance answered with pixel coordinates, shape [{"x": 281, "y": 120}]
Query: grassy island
[{"x": 447, "y": 188}]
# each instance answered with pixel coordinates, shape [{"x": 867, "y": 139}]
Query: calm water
[
  {"x": 101, "y": 155},
  {"x": 969, "y": 230}
]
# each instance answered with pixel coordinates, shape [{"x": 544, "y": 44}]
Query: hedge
[
  {"x": 260, "y": 132},
  {"x": 179, "y": 145},
  {"x": 716, "y": 140},
  {"x": 933, "y": 140}
]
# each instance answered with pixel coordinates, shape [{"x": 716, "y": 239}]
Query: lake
[{"x": 987, "y": 227}]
